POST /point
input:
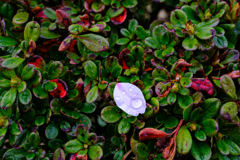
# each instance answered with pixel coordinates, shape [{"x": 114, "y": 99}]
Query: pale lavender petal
[{"x": 129, "y": 98}]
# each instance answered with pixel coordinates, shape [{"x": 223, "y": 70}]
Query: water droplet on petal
[
  {"x": 136, "y": 103},
  {"x": 117, "y": 98},
  {"x": 130, "y": 89}
]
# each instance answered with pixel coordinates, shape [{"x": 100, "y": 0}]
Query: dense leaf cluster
[{"x": 60, "y": 62}]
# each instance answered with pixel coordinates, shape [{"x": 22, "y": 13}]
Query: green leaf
[
  {"x": 190, "y": 44},
  {"x": 46, "y": 34},
  {"x": 141, "y": 32},
  {"x": 20, "y": 17},
  {"x": 25, "y": 97},
  {"x": 178, "y": 18},
  {"x": 190, "y": 13},
  {"x": 75, "y": 29},
  {"x": 118, "y": 155},
  {"x": 200, "y": 135},
  {"x": 210, "y": 108},
  {"x": 52, "y": 130},
  {"x": 232, "y": 55},
  {"x": 50, "y": 13},
  {"x": 55, "y": 69},
  {"x": 171, "y": 98},
  {"x": 129, "y": 3},
  {"x": 35, "y": 80},
  {"x": 32, "y": 31},
  {"x": 228, "y": 85},
  {"x": 171, "y": 122},
  {"x": 167, "y": 52},
  {"x": 111, "y": 114},
  {"x": 132, "y": 25},
  {"x": 12, "y": 154},
  {"x": 82, "y": 133},
  {"x": 234, "y": 149},
  {"x": 151, "y": 42},
  {"x": 142, "y": 150},
  {"x": 223, "y": 147},
  {"x": 184, "y": 101},
  {"x": 9, "y": 98},
  {"x": 34, "y": 140},
  {"x": 205, "y": 33},
  {"x": 124, "y": 126},
  {"x": 95, "y": 152},
  {"x": 125, "y": 32},
  {"x": 90, "y": 69},
  {"x": 94, "y": 42},
  {"x": 210, "y": 127},
  {"x": 122, "y": 41},
  {"x": 11, "y": 63},
  {"x": 200, "y": 150},
  {"x": 220, "y": 42},
  {"x": 73, "y": 146},
  {"x": 50, "y": 86},
  {"x": 186, "y": 82},
  {"x": 229, "y": 110},
  {"x": 39, "y": 92},
  {"x": 184, "y": 140},
  {"x": 5, "y": 83},
  {"x": 88, "y": 108},
  {"x": 7, "y": 41},
  {"x": 28, "y": 72},
  {"x": 15, "y": 128},
  {"x": 92, "y": 95}
]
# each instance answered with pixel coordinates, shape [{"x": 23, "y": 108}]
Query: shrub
[{"x": 106, "y": 79}]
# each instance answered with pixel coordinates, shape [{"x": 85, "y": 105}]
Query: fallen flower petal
[{"x": 129, "y": 98}]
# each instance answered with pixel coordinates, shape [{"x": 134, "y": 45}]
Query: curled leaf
[{"x": 129, "y": 98}]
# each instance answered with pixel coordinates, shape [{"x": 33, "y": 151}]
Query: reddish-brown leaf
[
  {"x": 234, "y": 74},
  {"x": 202, "y": 84},
  {"x": 151, "y": 133},
  {"x": 183, "y": 65},
  {"x": 126, "y": 155},
  {"x": 31, "y": 47},
  {"x": 63, "y": 18}
]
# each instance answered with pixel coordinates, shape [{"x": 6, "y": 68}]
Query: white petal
[{"x": 129, "y": 98}]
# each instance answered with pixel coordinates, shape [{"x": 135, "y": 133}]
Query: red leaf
[
  {"x": 202, "y": 84},
  {"x": 40, "y": 15},
  {"x": 63, "y": 18},
  {"x": 37, "y": 61},
  {"x": 120, "y": 18},
  {"x": 122, "y": 55},
  {"x": 85, "y": 20},
  {"x": 61, "y": 90}
]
